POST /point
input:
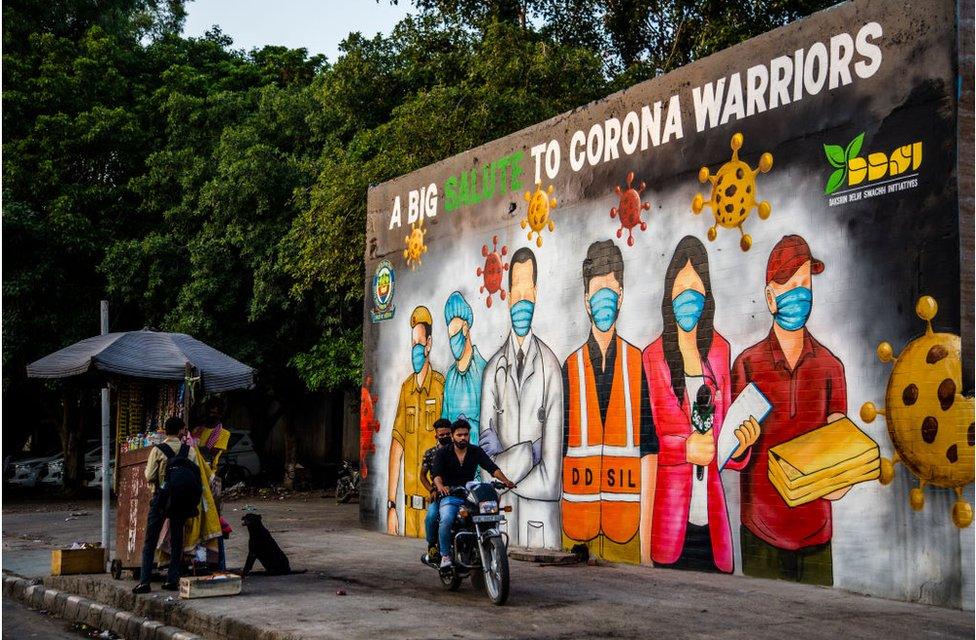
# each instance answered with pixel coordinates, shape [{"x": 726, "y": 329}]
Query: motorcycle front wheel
[{"x": 496, "y": 576}]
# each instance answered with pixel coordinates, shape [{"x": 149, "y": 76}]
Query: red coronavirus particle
[
  {"x": 630, "y": 209},
  {"x": 493, "y": 269}
]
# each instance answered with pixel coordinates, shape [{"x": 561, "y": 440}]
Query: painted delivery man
[
  {"x": 462, "y": 387},
  {"x": 419, "y": 407},
  {"x": 609, "y": 446},
  {"x": 521, "y": 416},
  {"x": 805, "y": 383}
]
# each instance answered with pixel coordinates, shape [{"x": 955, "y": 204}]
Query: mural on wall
[
  {"x": 733, "y": 194},
  {"x": 538, "y": 215},
  {"x": 493, "y": 270},
  {"x": 630, "y": 208},
  {"x": 681, "y": 402},
  {"x": 418, "y": 407},
  {"x": 688, "y": 371},
  {"x": 521, "y": 415},
  {"x": 929, "y": 421},
  {"x": 609, "y": 445},
  {"x": 462, "y": 385},
  {"x": 369, "y": 426},
  {"x": 415, "y": 247},
  {"x": 806, "y": 385}
]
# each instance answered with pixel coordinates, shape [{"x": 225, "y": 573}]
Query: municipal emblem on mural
[
  {"x": 383, "y": 283},
  {"x": 630, "y": 208},
  {"x": 929, "y": 421},
  {"x": 733, "y": 193}
]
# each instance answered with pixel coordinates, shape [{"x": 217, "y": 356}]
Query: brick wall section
[{"x": 967, "y": 203}]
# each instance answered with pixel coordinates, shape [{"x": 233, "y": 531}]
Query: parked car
[
  {"x": 93, "y": 473},
  {"x": 28, "y": 471},
  {"x": 240, "y": 462},
  {"x": 93, "y": 457}
]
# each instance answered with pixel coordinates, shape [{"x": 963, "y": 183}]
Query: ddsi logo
[{"x": 851, "y": 169}]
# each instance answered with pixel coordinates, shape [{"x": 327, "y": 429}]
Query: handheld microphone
[{"x": 703, "y": 412}]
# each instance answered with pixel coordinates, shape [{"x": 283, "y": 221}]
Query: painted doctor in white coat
[{"x": 521, "y": 416}]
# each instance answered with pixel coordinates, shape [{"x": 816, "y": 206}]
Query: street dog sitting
[{"x": 261, "y": 546}]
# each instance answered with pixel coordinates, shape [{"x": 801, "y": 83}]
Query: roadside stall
[{"x": 154, "y": 375}]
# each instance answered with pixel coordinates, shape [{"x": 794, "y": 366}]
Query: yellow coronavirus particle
[
  {"x": 541, "y": 204},
  {"x": 929, "y": 421},
  {"x": 733, "y": 193},
  {"x": 415, "y": 246}
]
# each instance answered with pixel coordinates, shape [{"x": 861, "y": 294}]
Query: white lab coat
[{"x": 522, "y": 430}]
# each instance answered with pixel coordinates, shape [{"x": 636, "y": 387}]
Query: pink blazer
[{"x": 672, "y": 422}]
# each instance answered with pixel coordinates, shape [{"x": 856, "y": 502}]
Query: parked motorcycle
[
  {"x": 347, "y": 485},
  {"x": 480, "y": 549}
]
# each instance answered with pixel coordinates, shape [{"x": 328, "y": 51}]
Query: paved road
[
  {"x": 21, "y": 623},
  {"x": 388, "y": 593}
]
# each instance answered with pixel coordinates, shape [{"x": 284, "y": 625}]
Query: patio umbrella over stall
[{"x": 145, "y": 354}]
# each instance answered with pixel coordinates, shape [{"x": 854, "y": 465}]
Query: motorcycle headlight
[{"x": 488, "y": 506}]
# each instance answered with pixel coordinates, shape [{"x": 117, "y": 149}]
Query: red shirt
[{"x": 802, "y": 399}]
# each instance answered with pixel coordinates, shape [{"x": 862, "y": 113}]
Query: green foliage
[{"x": 223, "y": 193}]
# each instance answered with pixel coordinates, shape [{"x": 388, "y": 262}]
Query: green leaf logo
[{"x": 839, "y": 157}]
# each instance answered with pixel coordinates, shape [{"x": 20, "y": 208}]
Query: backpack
[{"x": 183, "y": 487}]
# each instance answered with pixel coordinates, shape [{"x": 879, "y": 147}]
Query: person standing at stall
[{"x": 173, "y": 474}]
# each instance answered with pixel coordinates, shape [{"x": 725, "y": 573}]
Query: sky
[{"x": 317, "y": 25}]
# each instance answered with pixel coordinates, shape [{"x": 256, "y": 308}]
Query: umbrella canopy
[{"x": 146, "y": 354}]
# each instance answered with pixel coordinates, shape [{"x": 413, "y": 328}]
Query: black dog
[{"x": 261, "y": 546}]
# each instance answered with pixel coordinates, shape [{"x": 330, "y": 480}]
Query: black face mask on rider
[{"x": 444, "y": 441}]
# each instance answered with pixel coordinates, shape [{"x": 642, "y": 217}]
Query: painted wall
[{"x": 748, "y": 228}]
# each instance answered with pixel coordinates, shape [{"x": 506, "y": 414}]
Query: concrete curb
[
  {"x": 165, "y": 608},
  {"x": 76, "y": 609}
]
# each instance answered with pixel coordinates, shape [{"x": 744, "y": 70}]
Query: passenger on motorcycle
[
  {"x": 455, "y": 466},
  {"x": 442, "y": 431}
]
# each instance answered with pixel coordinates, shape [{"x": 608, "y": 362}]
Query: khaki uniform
[
  {"x": 156, "y": 464},
  {"x": 417, "y": 410}
]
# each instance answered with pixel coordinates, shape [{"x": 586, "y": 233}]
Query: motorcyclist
[
  {"x": 455, "y": 466},
  {"x": 442, "y": 431}
]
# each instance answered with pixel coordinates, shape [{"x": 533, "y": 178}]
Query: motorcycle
[
  {"x": 480, "y": 549},
  {"x": 347, "y": 485}
]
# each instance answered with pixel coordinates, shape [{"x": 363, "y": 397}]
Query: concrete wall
[{"x": 855, "y": 155}]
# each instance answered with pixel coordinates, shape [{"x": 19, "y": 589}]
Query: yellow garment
[
  {"x": 822, "y": 461},
  {"x": 417, "y": 410},
  {"x": 219, "y": 447},
  {"x": 204, "y": 528}
]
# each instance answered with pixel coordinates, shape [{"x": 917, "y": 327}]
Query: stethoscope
[{"x": 504, "y": 368}]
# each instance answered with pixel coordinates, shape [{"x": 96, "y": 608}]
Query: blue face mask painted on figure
[
  {"x": 688, "y": 307},
  {"x": 603, "y": 308},
  {"x": 793, "y": 308},
  {"x": 418, "y": 357},
  {"x": 457, "y": 345},
  {"x": 522, "y": 317}
]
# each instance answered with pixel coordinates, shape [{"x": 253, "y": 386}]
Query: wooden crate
[
  {"x": 66, "y": 562},
  {"x": 219, "y": 584}
]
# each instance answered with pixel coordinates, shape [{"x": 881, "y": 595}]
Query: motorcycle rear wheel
[{"x": 496, "y": 578}]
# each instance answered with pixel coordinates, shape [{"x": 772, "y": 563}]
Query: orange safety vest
[{"x": 601, "y": 470}]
